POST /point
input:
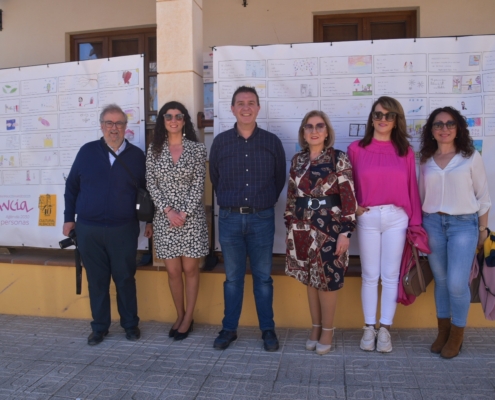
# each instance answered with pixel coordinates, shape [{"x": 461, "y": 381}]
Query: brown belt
[{"x": 442, "y": 213}]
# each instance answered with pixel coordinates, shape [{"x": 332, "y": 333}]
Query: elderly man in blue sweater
[{"x": 102, "y": 194}]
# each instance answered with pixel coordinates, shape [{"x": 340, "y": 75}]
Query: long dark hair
[
  {"x": 399, "y": 135},
  {"x": 463, "y": 142},
  {"x": 161, "y": 135}
]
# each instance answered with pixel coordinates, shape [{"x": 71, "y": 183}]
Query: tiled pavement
[{"x": 48, "y": 358}]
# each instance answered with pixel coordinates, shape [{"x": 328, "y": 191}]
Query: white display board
[
  {"x": 47, "y": 112},
  {"x": 344, "y": 79}
]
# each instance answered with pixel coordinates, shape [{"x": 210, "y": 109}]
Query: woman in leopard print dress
[{"x": 175, "y": 174}]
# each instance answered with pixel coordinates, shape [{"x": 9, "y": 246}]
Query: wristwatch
[
  {"x": 346, "y": 234},
  {"x": 482, "y": 228}
]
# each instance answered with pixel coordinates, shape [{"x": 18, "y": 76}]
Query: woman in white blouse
[{"x": 454, "y": 193}]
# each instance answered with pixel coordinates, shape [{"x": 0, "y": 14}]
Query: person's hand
[
  {"x": 175, "y": 218},
  {"x": 342, "y": 245},
  {"x": 481, "y": 239},
  {"x": 68, "y": 226},
  {"x": 148, "y": 230},
  {"x": 361, "y": 210}
]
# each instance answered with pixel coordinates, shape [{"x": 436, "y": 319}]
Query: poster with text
[{"x": 47, "y": 113}]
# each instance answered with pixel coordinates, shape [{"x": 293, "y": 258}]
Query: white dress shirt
[
  {"x": 119, "y": 150},
  {"x": 460, "y": 188}
]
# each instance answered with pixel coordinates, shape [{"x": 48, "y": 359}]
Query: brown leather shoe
[
  {"x": 443, "y": 335},
  {"x": 453, "y": 346}
]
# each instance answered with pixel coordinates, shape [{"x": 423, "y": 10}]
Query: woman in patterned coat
[
  {"x": 319, "y": 217},
  {"x": 175, "y": 175}
]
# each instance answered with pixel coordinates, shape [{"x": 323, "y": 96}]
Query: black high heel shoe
[
  {"x": 183, "y": 335},
  {"x": 172, "y": 332}
]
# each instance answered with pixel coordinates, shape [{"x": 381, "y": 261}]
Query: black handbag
[{"x": 145, "y": 209}]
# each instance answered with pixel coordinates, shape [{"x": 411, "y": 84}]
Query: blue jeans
[
  {"x": 453, "y": 240},
  {"x": 243, "y": 235}
]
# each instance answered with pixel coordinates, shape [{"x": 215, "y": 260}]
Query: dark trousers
[{"x": 110, "y": 253}]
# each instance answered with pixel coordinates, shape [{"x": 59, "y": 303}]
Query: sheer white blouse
[{"x": 460, "y": 188}]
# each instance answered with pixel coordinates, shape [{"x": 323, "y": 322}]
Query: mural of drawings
[
  {"x": 46, "y": 114},
  {"x": 343, "y": 79}
]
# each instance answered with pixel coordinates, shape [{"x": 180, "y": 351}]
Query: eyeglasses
[
  {"x": 118, "y": 124},
  {"x": 170, "y": 117},
  {"x": 320, "y": 127},
  {"x": 438, "y": 126},
  {"x": 378, "y": 115}
]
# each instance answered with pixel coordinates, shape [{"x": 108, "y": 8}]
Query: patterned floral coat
[
  {"x": 180, "y": 186},
  {"x": 312, "y": 235}
]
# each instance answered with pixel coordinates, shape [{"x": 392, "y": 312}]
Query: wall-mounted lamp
[
  {"x": 244, "y": 3},
  {"x": 0, "y": 20}
]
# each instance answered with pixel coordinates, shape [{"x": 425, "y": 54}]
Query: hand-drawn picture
[
  {"x": 415, "y": 128},
  {"x": 362, "y": 88},
  {"x": 357, "y": 130},
  {"x": 255, "y": 69},
  {"x": 9, "y": 89},
  {"x": 359, "y": 65}
]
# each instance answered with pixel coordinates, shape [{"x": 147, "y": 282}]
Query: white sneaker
[
  {"x": 368, "y": 339},
  {"x": 383, "y": 343}
]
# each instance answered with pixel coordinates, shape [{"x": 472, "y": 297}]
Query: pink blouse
[{"x": 382, "y": 177}]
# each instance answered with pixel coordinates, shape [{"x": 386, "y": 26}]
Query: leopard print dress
[{"x": 180, "y": 186}]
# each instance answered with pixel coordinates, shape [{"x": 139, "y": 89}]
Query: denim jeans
[
  {"x": 382, "y": 234},
  {"x": 242, "y": 236},
  {"x": 452, "y": 240}
]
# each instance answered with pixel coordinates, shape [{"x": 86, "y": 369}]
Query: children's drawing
[
  {"x": 362, "y": 89},
  {"x": 126, "y": 76},
  {"x": 357, "y": 130},
  {"x": 9, "y": 89},
  {"x": 415, "y": 110},
  {"x": 129, "y": 134},
  {"x": 304, "y": 67},
  {"x": 11, "y": 124},
  {"x": 474, "y": 60},
  {"x": 43, "y": 121},
  {"x": 359, "y": 64},
  {"x": 478, "y": 145}
]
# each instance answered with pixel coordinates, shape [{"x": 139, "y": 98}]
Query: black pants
[{"x": 110, "y": 252}]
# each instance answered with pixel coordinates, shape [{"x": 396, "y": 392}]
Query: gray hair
[{"x": 112, "y": 108}]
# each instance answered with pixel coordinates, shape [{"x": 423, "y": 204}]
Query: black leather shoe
[
  {"x": 96, "y": 337},
  {"x": 183, "y": 335},
  {"x": 132, "y": 333},
  {"x": 224, "y": 339},
  {"x": 172, "y": 332},
  {"x": 270, "y": 341}
]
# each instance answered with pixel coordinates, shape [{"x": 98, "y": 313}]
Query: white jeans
[{"x": 382, "y": 234}]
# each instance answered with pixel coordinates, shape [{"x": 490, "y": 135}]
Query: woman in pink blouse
[{"x": 384, "y": 171}]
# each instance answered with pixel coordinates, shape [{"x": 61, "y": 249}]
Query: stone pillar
[{"x": 180, "y": 53}]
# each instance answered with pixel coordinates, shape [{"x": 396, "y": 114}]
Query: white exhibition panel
[
  {"x": 47, "y": 112},
  {"x": 343, "y": 79}
]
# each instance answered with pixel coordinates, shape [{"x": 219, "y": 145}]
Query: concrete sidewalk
[{"x": 47, "y": 358}]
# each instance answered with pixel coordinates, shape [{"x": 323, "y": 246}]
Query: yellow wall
[{"x": 48, "y": 291}]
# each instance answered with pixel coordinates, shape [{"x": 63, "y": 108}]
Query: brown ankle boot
[
  {"x": 443, "y": 335},
  {"x": 453, "y": 346}
]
